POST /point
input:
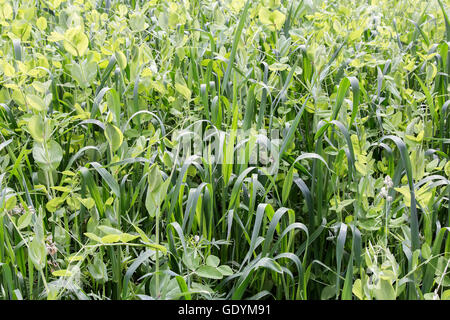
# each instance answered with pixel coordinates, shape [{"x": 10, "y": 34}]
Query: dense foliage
[{"x": 97, "y": 203}]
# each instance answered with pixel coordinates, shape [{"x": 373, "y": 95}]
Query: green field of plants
[{"x": 206, "y": 149}]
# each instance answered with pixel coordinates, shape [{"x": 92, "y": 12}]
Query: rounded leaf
[
  {"x": 47, "y": 155},
  {"x": 114, "y": 136},
  {"x": 75, "y": 41},
  {"x": 209, "y": 272}
]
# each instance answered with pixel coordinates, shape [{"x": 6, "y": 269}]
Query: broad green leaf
[
  {"x": 225, "y": 270},
  {"x": 126, "y": 237},
  {"x": 75, "y": 41},
  {"x": 183, "y": 90},
  {"x": 357, "y": 289},
  {"x": 61, "y": 189},
  {"x": 209, "y": 272},
  {"x": 37, "y": 253},
  {"x": 110, "y": 230},
  {"x": 98, "y": 271},
  {"x": 137, "y": 22},
  {"x": 445, "y": 295},
  {"x": 75, "y": 258},
  {"x": 53, "y": 204},
  {"x": 384, "y": 290},
  {"x": 41, "y": 23},
  {"x": 36, "y": 127},
  {"x": 111, "y": 238},
  {"x": 62, "y": 273},
  {"x": 271, "y": 3},
  {"x": 237, "y": 5},
  {"x": 278, "y": 66},
  {"x": 93, "y": 236},
  {"x": 36, "y": 102},
  {"x": 419, "y": 137},
  {"x": 24, "y": 220},
  {"x": 48, "y": 155},
  {"x": 8, "y": 69},
  {"x": 191, "y": 258},
  {"x": 328, "y": 292},
  {"x": 114, "y": 136},
  {"x": 273, "y": 19},
  {"x": 287, "y": 184},
  {"x": 447, "y": 169},
  {"x": 89, "y": 203},
  {"x": 84, "y": 73}
]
